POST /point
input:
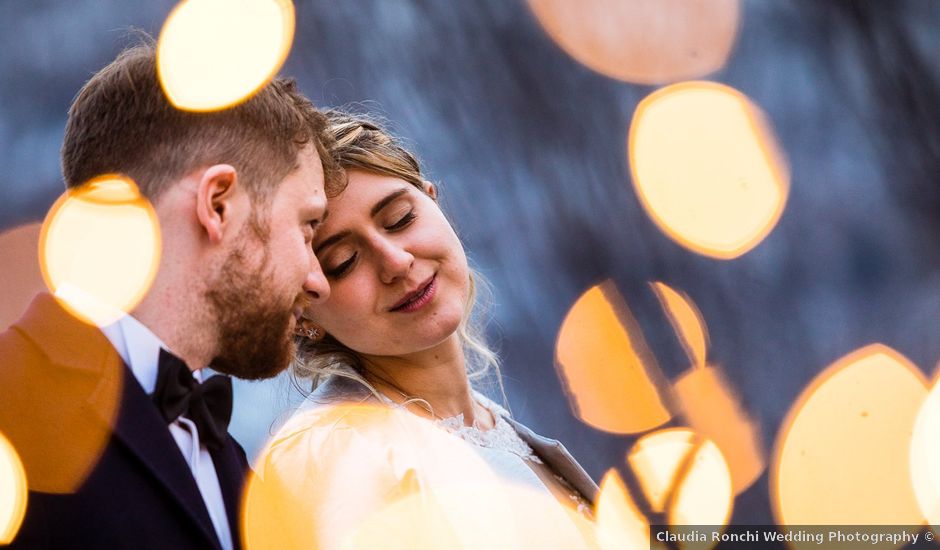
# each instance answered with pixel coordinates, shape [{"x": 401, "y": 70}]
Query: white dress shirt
[{"x": 140, "y": 350}]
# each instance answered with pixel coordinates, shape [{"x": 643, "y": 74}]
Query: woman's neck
[{"x": 437, "y": 376}]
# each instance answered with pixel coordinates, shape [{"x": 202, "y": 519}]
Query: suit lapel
[
  {"x": 144, "y": 433},
  {"x": 231, "y": 468},
  {"x": 554, "y": 454}
]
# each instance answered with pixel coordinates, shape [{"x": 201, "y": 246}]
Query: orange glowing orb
[
  {"x": 20, "y": 276},
  {"x": 620, "y": 524},
  {"x": 346, "y": 476},
  {"x": 925, "y": 456},
  {"x": 714, "y": 411},
  {"x": 842, "y": 455},
  {"x": 643, "y": 41},
  {"x": 686, "y": 321},
  {"x": 213, "y": 54},
  {"x": 610, "y": 374},
  {"x": 499, "y": 515},
  {"x": 683, "y": 475},
  {"x": 706, "y": 399},
  {"x": 706, "y": 168},
  {"x": 13, "y": 493},
  {"x": 99, "y": 249}
]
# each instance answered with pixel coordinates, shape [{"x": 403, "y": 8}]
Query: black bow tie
[{"x": 208, "y": 405}]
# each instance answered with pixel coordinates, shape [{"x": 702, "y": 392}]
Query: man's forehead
[
  {"x": 307, "y": 178},
  {"x": 308, "y": 160}
]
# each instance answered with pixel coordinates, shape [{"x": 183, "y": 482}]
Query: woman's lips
[{"x": 417, "y": 299}]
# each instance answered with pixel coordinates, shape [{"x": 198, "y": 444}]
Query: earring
[{"x": 316, "y": 334}]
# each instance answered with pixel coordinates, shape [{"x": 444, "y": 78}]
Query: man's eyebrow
[
  {"x": 314, "y": 215},
  {"x": 385, "y": 201},
  {"x": 331, "y": 241}
]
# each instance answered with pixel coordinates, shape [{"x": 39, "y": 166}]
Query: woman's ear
[
  {"x": 430, "y": 189},
  {"x": 214, "y": 199}
]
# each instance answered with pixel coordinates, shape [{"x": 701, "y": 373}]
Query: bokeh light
[
  {"x": 20, "y": 276},
  {"x": 213, "y": 54},
  {"x": 925, "y": 456},
  {"x": 686, "y": 321},
  {"x": 643, "y": 41},
  {"x": 707, "y": 168},
  {"x": 13, "y": 493},
  {"x": 619, "y": 522},
  {"x": 684, "y": 476},
  {"x": 611, "y": 376},
  {"x": 59, "y": 400},
  {"x": 705, "y": 397},
  {"x": 842, "y": 453},
  {"x": 499, "y": 516},
  {"x": 365, "y": 476},
  {"x": 713, "y": 410},
  {"x": 100, "y": 249}
]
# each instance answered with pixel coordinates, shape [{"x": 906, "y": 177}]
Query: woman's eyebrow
[
  {"x": 386, "y": 200},
  {"x": 330, "y": 241}
]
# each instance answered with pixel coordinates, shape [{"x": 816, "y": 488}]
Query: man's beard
[{"x": 255, "y": 341}]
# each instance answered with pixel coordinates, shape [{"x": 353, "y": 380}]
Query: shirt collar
[{"x": 139, "y": 347}]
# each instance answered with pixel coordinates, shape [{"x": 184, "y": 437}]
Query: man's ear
[
  {"x": 430, "y": 189},
  {"x": 215, "y": 196}
]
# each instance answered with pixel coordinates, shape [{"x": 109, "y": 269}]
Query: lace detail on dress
[{"x": 501, "y": 436}]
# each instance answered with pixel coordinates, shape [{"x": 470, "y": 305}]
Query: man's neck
[{"x": 178, "y": 320}]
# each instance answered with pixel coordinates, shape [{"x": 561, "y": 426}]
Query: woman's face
[{"x": 398, "y": 274}]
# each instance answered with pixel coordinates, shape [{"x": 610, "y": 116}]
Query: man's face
[{"x": 270, "y": 277}]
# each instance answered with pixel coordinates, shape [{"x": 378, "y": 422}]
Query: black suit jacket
[{"x": 102, "y": 467}]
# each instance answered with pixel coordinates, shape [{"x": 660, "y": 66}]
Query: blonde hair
[{"x": 361, "y": 143}]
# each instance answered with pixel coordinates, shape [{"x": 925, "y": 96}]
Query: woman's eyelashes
[
  {"x": 342, "y": 268},
  {"x": 403, "y": 222}
]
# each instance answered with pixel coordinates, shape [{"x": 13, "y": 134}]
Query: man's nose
[{"x": 316, "y": 285}]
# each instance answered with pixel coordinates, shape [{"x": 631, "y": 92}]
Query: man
[{"x": 123, "y": 446}]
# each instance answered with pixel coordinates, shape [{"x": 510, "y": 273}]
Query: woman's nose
[{"x": 395, "y": 261}]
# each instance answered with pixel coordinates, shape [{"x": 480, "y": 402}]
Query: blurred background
[{"x": 550, "y": 126}]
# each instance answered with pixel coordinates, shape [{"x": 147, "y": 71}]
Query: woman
[{"x": 396, "y": 337}]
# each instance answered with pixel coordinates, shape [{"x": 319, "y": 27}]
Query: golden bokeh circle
[
  {"x": 684, "y": 476},
  {"x": 643, "y": 41},
  {"x": 214, "y": 54},
  {"x": 609, "y": 373},
  {"x": 707, "y": 168},
  {"x": 99, "y": 249},
  {"x": 13, "y": 492},
  {"x": 925, "y": 456},
  {"x": 853, "y": 421},
  {"x": 619, "y": 522}
]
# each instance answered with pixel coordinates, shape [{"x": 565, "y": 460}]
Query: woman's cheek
[{"x": 356, "y": 296}]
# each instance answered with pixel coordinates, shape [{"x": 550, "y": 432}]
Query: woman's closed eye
[
  {"x": 403, "y": 221},
  {"x": 342, "y": 268}
]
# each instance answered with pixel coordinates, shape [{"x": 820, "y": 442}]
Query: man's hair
[{"x": 122, "y": 123}]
